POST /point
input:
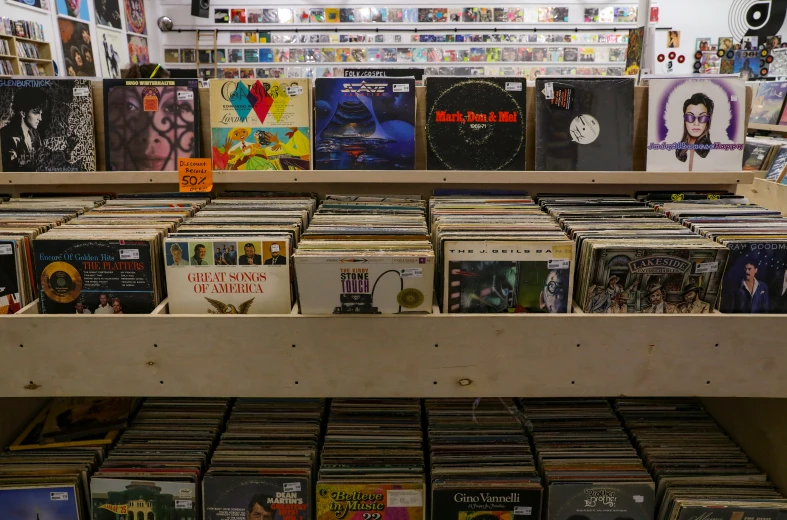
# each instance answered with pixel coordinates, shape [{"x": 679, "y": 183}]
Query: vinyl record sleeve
[
  {"x": 46, "y": 125},
  {"x": 71, "y": 271},
  {"x": 767, "y": 107},
  {"x": 475, "y": 123},
  {"x": 763, "y": 264},
  {"x": 468, "y": 502},
  {"x": 43, "y": 501},
  {"x": 584, "y": 124},
  {"x": 260, "y": 124},
  {"x": 112, "y": 497},
  {"x": 364, "y": 124},
  {"x": 150, "y": 124},
  {"x": 608, "y": 501},
  {"x": 517, "y": 276},
  {"x": 238, "y": 284},
  {"x": 680, "y": 138},
  {"x": 403, "y": 501},
  {"x": 357, "y": 284},
  {"x": 289, "y": 497}
]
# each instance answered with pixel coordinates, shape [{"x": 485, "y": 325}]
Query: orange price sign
[{"x": 195, "y": 175}]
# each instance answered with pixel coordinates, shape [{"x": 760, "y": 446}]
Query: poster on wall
[
  {"x": 135, "y": 17},
  {"x": 107, "y": 13},
  {"x": 40, "y": 4},
  {"x": 74, "y": 9},
  {"x": 77, "y": 48},
  {"x": 138, "y": 50},
  {"x": 113, "y": 52}
]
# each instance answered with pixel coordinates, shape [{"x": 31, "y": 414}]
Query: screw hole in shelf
[
  {"x": 293, "y": 346},
  {"x": 436, "y": 345},
  {"x": 161, "y": 382},
  {"x": 433, "y": 382},
  {"x": 717, "y": 345},
  {"x": 593, "y": 180},
  {"x": 296, "y": 382},
  {"x": 444, "y": 179},
  {"x": 155, "y": 345},
  {"x": 707, "y": 382},
  {"x": 31, "y": 382},
  {"x": 577, "y": 345},
  {"x": 295, "y": 179},
  {"x": 151, "y": 180},
  {"x": 21, "y": 346},
  {"x": 572, "y": 382}
]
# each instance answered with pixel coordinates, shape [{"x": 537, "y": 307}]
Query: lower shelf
[{"x": 387, "y": 356}]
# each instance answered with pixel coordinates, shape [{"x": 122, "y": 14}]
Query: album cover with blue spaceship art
[{"x": 364, "y": 124}]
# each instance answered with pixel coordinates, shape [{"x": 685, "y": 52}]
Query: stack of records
[
  {"x": 46, "y": 472},
  {"x": 150, "y": 124},
  {"x": 500, "y": 255},
  {"x": 755, "y": 278},
  {"x": 109, "y": 260},
  {"x": 158, "y": 462},
  {"x": 631, "y": 259},
  {"x": 264, "y": 464},
  {"x": 364, "y": 124},
  {"x": 699, "y": 471},
  {"x": 480, "y": 461},
  {"x": 372, "y": 461},
  {"x": 759, "y": 154},
  {"x": 584, "y": 124},
  {"x": 21, "y": 221},
  {"x": 768, "y": 103},
  {"x": 366, "y": 255},
  {"x": 233, "y": 257},
  {"x": 588, "y": 465}
]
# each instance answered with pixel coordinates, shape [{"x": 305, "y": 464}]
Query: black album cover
[
  {"x": 477, "y": 502},
  {"x": 97, "y": 276},
  {"x": 475, "y": 123},
  {"x": 600, "y": 501},
  {"x": 46, "y": 125},
  {"x": 584, "y": 124}
]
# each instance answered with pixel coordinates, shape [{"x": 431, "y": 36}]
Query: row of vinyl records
[
  {"x": 394, "y": 459},
  {"x": 260, "y": 252},
  {"x": 581, "y": 123}
]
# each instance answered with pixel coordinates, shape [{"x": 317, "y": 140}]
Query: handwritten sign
[{"x": 195, "y": 175}]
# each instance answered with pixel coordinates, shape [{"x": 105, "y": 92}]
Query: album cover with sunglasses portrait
[{"x": 696, "y": 124}]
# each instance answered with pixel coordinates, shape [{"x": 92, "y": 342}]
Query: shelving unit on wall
[
  {"x": 43, "y": 61},
  {"x": 782, "y": 129}
]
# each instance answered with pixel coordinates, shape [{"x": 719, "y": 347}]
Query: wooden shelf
[
  {"x": 35, "y": 60},
  {"x": 768, "y": 128},
  {"x": 434, "y": 177},
  {"x": 31, "y": 40},
  {"x": 386, "y": 356}
]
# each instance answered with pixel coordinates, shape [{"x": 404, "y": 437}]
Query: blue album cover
[
  {"x": 755, "y": 280},
  {"x": 364, "y": 124},
  {"x": 43, "y": 502}
]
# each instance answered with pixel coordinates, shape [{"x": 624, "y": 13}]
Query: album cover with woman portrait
[
  {"x": 584, "y": 124},
  {"x": 150, "y": 124},
  {"x": 696, "y": 124},
  {"x": 46, "y": 125}
]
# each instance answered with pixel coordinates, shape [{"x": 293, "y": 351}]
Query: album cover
[
  {"x": 485, "y": 502},
  {"x": 767, "y": 107},
  {"x": 756, "y": 277},
  {"x": 778, "y": 67},
  {"x": 111, "y": 497},
  {"x": 371, "y": 284},
  {"x": 72, "y": 418},
  {"x": 260, "y": 125},
  {"x": 10, "y": 297},
  {"x": 778, "y": 165},
  {"x": 401, "y": 501},
  {"x": 653, "y": 280},
  {"x": 105, "y": 276},
  {"x": 236, "y": 275},
  {"x": 475, "y": 123},
  {"x": 40, "y": 501},
  {"x": 607, "y": 501},
  {"x": 696, "y": 124},
  {"x": 584, "y": 124},
  {"x": 364, "y": 124},
  {"x": 747, "y": 64},
  {"x": 517, "y": 276},
  {"x": 46, "y": 125},
  {"x": 754, "y": 156},
  {"x": 150, "y": 124},
  {"x": 284, "y": 498}
]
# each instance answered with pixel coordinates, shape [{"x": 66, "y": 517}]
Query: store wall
[
  {"x": 180, "y": 12},
  {"x": 705, "y": 19},
  {"x": 17, "y": 11}
]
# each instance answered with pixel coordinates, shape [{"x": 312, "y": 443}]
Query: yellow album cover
[{"x": 404, "y": 501}]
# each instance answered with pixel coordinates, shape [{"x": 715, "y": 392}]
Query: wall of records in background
[{"x": 319, "y": 39}]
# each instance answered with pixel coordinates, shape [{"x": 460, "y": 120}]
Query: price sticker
[{"x": 195, "y": 175}]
